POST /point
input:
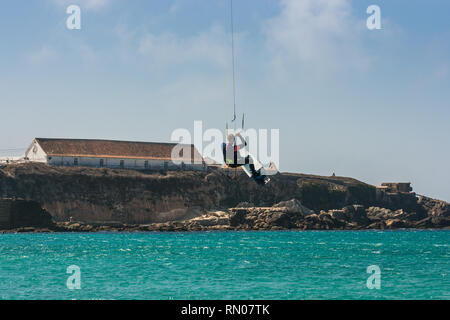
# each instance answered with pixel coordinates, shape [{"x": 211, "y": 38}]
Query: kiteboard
[{"x": 259, "y": 174}]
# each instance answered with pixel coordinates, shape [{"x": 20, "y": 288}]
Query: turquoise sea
[{"x": 227, "y": 265}]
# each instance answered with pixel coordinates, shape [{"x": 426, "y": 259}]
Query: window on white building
[
  {"x": 75, "y": 161},
  {"x": 102, "y": 162},
  {"x": 146, "y": 164}
]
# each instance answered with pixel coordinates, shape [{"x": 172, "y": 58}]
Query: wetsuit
[{"x": 233, "y": 159}]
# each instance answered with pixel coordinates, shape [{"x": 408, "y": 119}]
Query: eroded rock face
[
  {"x": 100, "y": 197},
  {"x": 132, "y": 197},
  {"x": 294, "y": 206},
  {"x": 16, "y": 213},
  {"x": 263, "y": 218},
  {"x": 293, "y": 215},
  {"x": 245, "y": 205},
  {"x": 375, "y": 213},
  {"x": 435, "y": 208},
  {"x": 396, "y": 224},
  {"x": 278, "y": 217}
]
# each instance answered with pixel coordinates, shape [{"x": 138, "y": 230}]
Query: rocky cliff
[
  {"x": 286, "y": 215},
  {"x": 293, "y": 215},
  {"x": 16, "y": 213},
  {"x": 96, "y": 196}
]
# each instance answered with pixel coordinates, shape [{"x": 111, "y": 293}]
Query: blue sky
[{"x": 374, "y": 105}]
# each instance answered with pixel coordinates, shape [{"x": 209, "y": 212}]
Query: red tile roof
[{"x": 113, "y": 149}]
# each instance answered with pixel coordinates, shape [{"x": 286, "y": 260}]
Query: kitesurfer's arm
[{"x": 244, "y": 144}]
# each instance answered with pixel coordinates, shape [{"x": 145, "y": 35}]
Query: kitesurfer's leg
[
  {"x": 251, "y": 166},
  {"x": 261, "y": 179}
]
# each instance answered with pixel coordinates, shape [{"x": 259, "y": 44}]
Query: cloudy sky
[{"x": 374, "y": 105}]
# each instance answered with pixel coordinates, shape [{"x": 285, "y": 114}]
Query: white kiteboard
[{"x": 258, "y": 166}]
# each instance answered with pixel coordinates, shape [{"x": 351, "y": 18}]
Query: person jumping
[{"x": 233, "y": 158}]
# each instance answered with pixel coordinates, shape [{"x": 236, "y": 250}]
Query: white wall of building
[
  {"x": 116, "y": 163},
  {"x": 11, "y": 159},
  {"x": 35, "y": 153}
]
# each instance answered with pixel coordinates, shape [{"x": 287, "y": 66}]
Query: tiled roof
[{"x": 112, "y": 149}]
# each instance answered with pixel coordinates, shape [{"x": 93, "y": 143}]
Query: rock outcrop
[
  {"x": 288, "y": 215},
  {"x": 16, "y": 213},
  {"x": 434, "y": 208},
  {"x": 88, "y": 199},
  {"x": 135, "y": 197}
]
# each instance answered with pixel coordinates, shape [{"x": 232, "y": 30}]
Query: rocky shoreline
[
  {"x": 287, "y": 215},
  {"x": 40, "y": 198}
]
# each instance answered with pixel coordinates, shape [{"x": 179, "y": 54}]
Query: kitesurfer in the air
[
  {"x": 234, "y": 159},
  {"x": 231, "y": 154}
]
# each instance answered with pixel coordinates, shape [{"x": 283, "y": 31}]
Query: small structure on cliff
[
  {"x": 114, "y": 154},
  {"x": 395, "y": 187},
  {"x": 396, "y": 195},
  {"x": 8, "y": 160}
]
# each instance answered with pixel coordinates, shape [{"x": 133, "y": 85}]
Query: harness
[{"x": 229, "y": 160}]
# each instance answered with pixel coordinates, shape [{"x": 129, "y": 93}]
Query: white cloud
[
  {"x": 321, "y": 34},
  {"x": 210, "y": 47},
  {"x": 174, "y": 8},
  {"x": 84, "y": 4},
  {"x": 44, "y": 55}
]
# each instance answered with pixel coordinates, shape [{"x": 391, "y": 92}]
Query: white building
[
  {"x": 11, "y": 159},
  {"x": 113, "y": 154}
]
